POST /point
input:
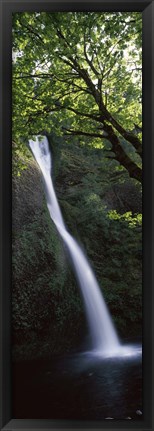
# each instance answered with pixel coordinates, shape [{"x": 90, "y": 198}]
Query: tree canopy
[{"x": 79, "y": 74}]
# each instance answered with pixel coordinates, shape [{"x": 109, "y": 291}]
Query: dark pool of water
[{"x": 78, "y": 387}]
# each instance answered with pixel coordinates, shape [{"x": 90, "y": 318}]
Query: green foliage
[
  {"x": 44, "y": 295},
  {"x": 75, "y": 73},
  {"x": 127, "y": 217},
  {"x": 112, "y": 239},
  {"x": 100, "y": 211}
]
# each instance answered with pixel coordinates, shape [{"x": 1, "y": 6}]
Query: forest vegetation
[{"x": 77, "y": 78}]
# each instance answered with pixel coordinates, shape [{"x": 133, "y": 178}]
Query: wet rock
[{"x": 138, "y": 412}]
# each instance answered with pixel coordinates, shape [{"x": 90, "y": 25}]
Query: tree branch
[
  {"x": 32, "y": 31},
  {"x": 83, "y": 114},
  {"x": 41, "y": 75},
  {"x": 103, "y": 110},
  {"x": 81, "y": 88},
  {"x": 130, "y": 137},
  {"x": 120, "y": 155},
  {"x": 88, "y": 60},
  {"x": 80, "y": 132}
]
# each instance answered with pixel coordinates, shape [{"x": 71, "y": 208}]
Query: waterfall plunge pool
[
  {"x": 80, "y": 386},
  {"x": 122, "y": 351}
]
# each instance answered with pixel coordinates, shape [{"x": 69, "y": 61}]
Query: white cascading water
[{"x": 104, "y": 338}]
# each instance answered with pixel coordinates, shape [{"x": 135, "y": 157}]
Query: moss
[{"x": 48, "y": 313}]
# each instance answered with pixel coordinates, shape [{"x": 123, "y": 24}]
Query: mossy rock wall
[{"x": 48, "y": 313}]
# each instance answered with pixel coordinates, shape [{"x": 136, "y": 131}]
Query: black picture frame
[{"x": 147, "y": 9}]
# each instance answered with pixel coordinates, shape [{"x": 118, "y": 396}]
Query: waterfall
[{"x": 103, "y": 333}]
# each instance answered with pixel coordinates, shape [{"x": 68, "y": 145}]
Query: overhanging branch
[{"x": 81, "y": 133}]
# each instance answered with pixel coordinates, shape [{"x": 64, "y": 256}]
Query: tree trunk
[{"x": 120, "y": 155}]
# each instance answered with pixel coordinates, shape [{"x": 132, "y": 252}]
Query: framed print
[{"x": 76, "y": 253}]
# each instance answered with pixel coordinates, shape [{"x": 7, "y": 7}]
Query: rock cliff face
[
  {"x": 47, "y": 309},
  {"x": 45, "y": 300},
  {"x": 27, "y": 199}
]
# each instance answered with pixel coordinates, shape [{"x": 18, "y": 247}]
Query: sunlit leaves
[
  {"x": 132, "y": 220},
  {"x": 50, "y": 52}
]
